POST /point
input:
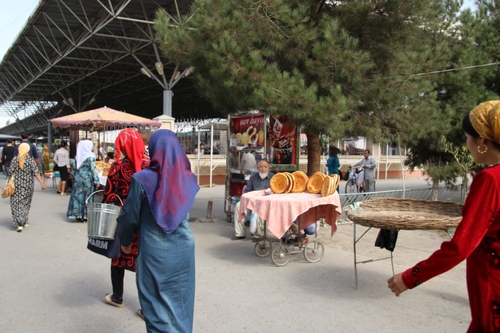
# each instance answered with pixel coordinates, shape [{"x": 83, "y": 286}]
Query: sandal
[
  {"x": 110, "y": 299},
  {"x": 140, "y": 314}
]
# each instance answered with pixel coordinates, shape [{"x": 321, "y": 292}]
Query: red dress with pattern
[
  {"x": 118, "y": 184},
  {"x": 477, "y": 239}
]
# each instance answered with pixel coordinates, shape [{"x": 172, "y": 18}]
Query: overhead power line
[{"x": 456, "y": 69}]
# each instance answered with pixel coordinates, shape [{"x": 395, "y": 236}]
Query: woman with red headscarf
[
  {"x": 130, "y": 146},
  {"x": 160, "y": 198}
]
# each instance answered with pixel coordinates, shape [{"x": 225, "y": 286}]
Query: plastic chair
[{"x": 54, "y": 179}]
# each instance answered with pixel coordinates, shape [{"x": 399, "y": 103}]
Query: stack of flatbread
[
  {"x": 282, "y": 183},
  {"x": 297, "y": 182},
  {"x": 99, "y": 165},
  {"x": 105, "y": 170},
  {"x": 300, "y": 180},
  {"x": 329, "y": 185},
  {"x": 316, "y": 182}
]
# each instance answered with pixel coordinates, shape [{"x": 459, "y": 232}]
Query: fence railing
[{"x": 421, "y": 194}]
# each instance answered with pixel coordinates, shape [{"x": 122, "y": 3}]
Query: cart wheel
[
  {"x": 263, "y": 247},
  {"x": 314, "y": 251},
  {"x": 281, "y": 256}
]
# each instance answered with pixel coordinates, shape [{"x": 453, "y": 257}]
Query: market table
[
  {"x": 400, "y": 214},
  {"x": 280, "y": 211}
]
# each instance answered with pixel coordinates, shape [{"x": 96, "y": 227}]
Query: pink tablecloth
[{"x": 280, "y": 210}]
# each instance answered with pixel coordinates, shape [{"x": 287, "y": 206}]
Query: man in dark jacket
[
  {"x": 33, "y": 151},
  {"x": 7, "y": 156}
]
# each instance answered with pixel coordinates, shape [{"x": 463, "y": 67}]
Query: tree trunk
[
  {"x": 313, "y": 153},
  {"x": 465, "y": 187},
  {"x": 435, "y": 190}
]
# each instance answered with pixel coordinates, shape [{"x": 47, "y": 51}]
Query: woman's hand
[
  {"x": 396, "y": 284},
  {"x": 125, "y": 249},
  {"x": 44, "y": 187}
]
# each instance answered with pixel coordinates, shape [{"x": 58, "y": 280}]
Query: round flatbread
[
  {"x": 336, "y": 182},
  {"x": 278, "y": 183},
  {"x": 300, "y": 180},
  {"x": 326, "y": 186},
  {"x": 290, "y": 182},
  {"x": 314, "y": 185}
]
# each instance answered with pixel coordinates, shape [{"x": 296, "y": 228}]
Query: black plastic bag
[{"x": 387, "y": 239}]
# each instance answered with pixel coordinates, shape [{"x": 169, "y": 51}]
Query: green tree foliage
[
  {"x": 334, "y": 67},
  {"x": 470, "y": 42},
  {"x": 463, "y": 160}
]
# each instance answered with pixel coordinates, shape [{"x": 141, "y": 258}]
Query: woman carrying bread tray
[{"x": 477, "y": 237}]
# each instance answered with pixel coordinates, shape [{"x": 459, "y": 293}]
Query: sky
[{"x": 13, "y": 17}]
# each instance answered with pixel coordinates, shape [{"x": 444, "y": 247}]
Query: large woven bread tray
[{"x": 410, "y": 214}]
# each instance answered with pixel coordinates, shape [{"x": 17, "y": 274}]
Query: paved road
[{"x": 49, "y": 282}]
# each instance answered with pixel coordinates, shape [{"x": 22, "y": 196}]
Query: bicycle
[{"x": 351, "y": 186}]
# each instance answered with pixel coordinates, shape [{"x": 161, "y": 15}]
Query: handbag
[
  {"x": 106, "y": 247},
  {"x": 8, "y": 188}
]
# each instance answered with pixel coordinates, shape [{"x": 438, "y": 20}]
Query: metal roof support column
[
  {"x": 49, "y": 136},
  {"x": 167, "y": 102}
]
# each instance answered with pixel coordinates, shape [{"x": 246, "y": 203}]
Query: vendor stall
[
  {"x": 102, "y": 120},
  {"x": 281, "y": 210},
  {"x": 254, "y": 136}
]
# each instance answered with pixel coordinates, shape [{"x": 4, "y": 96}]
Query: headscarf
[
  {"x": 485, "y": 118},
  {"x": 168, "y": 181},
  {"x": 83, "y": 151},
  {"x": 130, "y": 142},
  {"x": 23, "y": 152},
  {"x": 45, "y": 149}
]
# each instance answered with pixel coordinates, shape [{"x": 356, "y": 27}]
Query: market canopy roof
[
  {"x": 9, "y": 137},
  {"x": 102, "y": 118},
  {"x": 75, "y": 54}
]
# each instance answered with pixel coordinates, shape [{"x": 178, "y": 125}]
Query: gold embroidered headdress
[{"x": 485, "y": 118}]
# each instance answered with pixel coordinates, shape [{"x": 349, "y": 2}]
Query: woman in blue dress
[
  {"x": 333, "y": 162},
  {"x": 85, "y": 180},
  {"x": 157, "y": 207}
]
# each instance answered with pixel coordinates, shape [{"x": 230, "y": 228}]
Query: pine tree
[
  {"x": 469, "y": 41},
  {"x": 334, "y": 67}
]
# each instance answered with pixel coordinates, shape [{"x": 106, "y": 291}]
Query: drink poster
[
  {"x": 282, "y": 141},
  {"x": 248, "y": 131}
]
